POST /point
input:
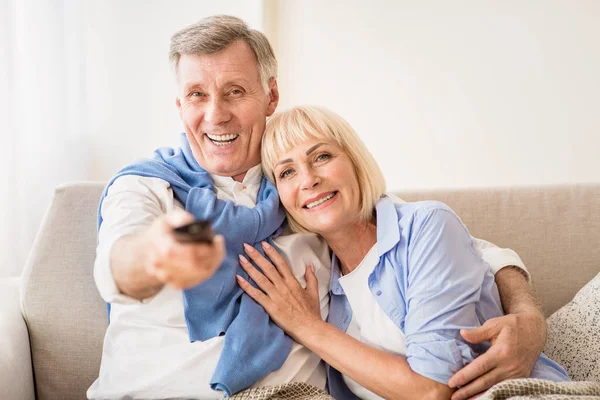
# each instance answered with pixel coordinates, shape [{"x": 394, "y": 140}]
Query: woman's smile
[{"x": 321, "y": 201}]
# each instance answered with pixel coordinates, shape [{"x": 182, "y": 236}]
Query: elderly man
[{"x": 179, "y": 326}]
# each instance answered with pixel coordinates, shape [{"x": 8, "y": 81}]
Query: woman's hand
[
  {"x": 296, "y": 311},
  {"x": 293, "y": 308}
]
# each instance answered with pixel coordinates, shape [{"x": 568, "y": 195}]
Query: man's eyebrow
[
  {"x": 288, "y": 160},
  {"x": 193, "y": 85}
]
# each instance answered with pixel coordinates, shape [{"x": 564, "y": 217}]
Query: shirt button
[
  {"x": 378, "y": 293},
  {"x": 244, "y": 187}
]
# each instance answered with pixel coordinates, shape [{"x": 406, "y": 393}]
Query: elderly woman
[{"x": 405, "y": 278}]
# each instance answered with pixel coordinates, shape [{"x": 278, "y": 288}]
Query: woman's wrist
[{"x": 309, "y": 332}]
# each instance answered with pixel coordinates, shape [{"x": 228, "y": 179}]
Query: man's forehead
[
  {"x": 236, "y": 62},
  {"x": 216, "y": 76}
]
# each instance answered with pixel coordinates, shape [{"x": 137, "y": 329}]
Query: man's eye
[
  {"x": 235, "y": 92},
  {"x": 196, "y": 94}
]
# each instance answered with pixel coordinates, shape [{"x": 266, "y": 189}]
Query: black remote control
[{"x": 199, "y": 231}]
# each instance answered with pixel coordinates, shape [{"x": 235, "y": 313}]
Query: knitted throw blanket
[{"x": 530, "y": 389}]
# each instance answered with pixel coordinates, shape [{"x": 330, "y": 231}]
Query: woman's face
[{"x": 318, "y": 186}]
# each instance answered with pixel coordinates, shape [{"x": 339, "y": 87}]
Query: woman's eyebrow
[
  {"x": 314, "y": 148},
  {"x": 289, "y": 160}
]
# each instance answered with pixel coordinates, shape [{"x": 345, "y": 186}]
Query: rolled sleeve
[
  {"x": 445, "y": 276},
  {"x": 131, "y": 204},
  {"x": 499, "y": 258},
  {"x": 437, "y": 357}
]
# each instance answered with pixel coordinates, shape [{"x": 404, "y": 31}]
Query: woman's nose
[{"x": 310, "y": 179}]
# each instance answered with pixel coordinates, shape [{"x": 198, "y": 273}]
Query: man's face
[{"x": 223, "y": 107}]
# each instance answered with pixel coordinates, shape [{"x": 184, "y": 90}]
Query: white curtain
[
  {"x": 85, "y": 88},
  {"x": 42, "y": 115}
]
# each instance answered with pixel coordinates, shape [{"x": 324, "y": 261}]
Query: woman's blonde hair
[{"x": 288, "y": 129}]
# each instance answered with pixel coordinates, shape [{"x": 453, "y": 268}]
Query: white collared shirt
[{"x": 147, "y": 352}]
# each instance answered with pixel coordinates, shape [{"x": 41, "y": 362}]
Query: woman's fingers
[
  {"x": 262, "y": 281},
  {"x": 253, "y": 292},
  {"x": 312, "y": 284},
  {"x": 312, "y": 288},
  {"x": 280, "y": 263},
  {"x": 265, "y": 265}
]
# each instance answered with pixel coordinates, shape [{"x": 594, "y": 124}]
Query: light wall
[
  {"x": 453, "y": 93},
  {"x": 130, "y": 86},
  {"x": 444, "y": 93}
]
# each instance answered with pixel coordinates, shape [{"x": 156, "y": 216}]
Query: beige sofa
[{"x": 52, "y": 320}]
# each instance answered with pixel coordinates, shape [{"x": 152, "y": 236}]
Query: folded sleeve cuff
[
  {"x": 499, "y": 258},
  {"x": 438, "y": 359}
]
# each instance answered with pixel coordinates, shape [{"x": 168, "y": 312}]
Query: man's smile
[{"x": 223, "y": 140}]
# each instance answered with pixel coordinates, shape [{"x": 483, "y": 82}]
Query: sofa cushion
[{"x": 574, "y": 334}]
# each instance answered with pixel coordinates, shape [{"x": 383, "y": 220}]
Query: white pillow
[{"x": 574, "y": 334}]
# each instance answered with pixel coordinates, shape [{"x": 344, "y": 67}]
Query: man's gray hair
[{"x": 213, "y": 34}]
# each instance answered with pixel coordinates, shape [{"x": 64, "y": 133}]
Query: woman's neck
[{"x": 352, "y": 244}]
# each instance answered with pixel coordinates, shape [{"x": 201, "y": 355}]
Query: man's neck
[{"x": 240, "y": 177}]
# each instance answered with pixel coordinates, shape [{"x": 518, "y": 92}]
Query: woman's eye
[
  {"x": 285, "y": 173},
  {"x": 323, "y": 157}
]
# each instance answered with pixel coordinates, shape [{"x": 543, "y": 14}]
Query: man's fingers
[
  {"x": 479, "y": 385},
  {"x": 477, "y": 368},
  {"x": 487, "y": 331},
  {"x": 262, "y": 281}
]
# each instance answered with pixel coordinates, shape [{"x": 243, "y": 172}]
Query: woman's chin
[{"x": 323, "y": 228}]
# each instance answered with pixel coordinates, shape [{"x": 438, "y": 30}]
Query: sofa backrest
[
  {"x": 555, "y": 230},
  {"x": 65, "y": 315}
]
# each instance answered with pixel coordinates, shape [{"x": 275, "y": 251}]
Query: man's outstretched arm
[
  {"x": 137, "y": 252},
  {"x": 517, "y": 338}
]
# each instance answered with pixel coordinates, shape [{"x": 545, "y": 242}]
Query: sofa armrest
[{"x": 16, "y": 376}]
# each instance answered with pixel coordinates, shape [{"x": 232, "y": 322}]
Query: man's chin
[{"x": 226, "y": 171}]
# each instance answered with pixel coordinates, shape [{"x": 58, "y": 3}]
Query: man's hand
[
  {"x": 181, "y": 265},
  {"x": 517, "y": 341},
  {"x": 143, "y": 263}
]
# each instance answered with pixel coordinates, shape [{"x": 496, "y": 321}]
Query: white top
[
  {"x": 147, "y": 353},
  {"x": 370, "y": 324}
]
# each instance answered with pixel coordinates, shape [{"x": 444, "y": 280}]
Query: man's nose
[{"x": 216, "y": 112}]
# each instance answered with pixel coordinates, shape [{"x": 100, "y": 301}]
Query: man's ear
[
  {"x": 178, "y": 104},
  {"x": 273, "y": 97}
]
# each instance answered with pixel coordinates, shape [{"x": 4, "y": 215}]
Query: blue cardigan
[{"x": 254, "y": 346}]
